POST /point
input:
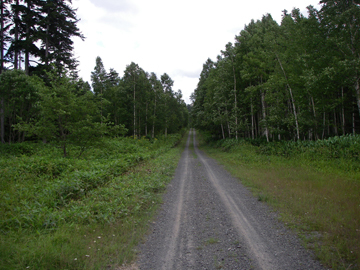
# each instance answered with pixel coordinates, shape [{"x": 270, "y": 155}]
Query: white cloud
[{"x": 172, "y": 36}]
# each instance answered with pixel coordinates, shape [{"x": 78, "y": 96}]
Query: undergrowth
[
  {"x": 315, "y": 187},
  {"x": 72, "y": 213}
]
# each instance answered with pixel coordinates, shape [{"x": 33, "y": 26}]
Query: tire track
[
  {"x": 209, "y": 220},
  {"x": 171, "y": 249},
  {"x": 259, "y": 248}
]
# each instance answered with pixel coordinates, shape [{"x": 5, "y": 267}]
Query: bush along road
[{"x": 209, "y": 220}]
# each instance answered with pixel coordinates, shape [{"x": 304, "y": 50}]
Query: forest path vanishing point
[{"x": 209, "y": 220}]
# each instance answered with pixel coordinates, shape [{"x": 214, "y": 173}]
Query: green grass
[
  {"x": 87, "y": 213},
  {"x": 211, "y": 241},
  {"x": 316, "y": 194}
]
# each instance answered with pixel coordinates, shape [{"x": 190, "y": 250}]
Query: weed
[
  {"x": 262, "y": 197},
  {"x": 87, "y": 213},
  {"x": 211, "y": 241},
  {"x": 217, "y": 263}
]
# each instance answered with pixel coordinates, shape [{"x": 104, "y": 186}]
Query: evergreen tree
[{"x": 57, "y": 27}]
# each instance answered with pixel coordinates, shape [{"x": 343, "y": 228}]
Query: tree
[
  {"x": 157, "y": 89},
  {"x": 65, "y": 117},
  {"x": 99, "y": 81},
  {"x": 20, "y": 95},
  {"x": 131, "y": 79},
  {"x": 4, "y": 25},
  {"x": 4, "y": 31},
  {"x": 167, "y": 84},
  {"x": 42, "y": 31},
  {"x": 229, "y": 54},
  {"x": 198, "y": 96},
  {"x": 56, "y": 29},
  {"x": 341, "y": 21}
]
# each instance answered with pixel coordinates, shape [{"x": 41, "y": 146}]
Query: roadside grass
[
  {"x": 319, "y": 198},
  {"x": 97, "y": 228}
]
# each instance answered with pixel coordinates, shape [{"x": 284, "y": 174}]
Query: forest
[
  {"x": 43, "y": 98},
  {"x": 82, "y": 164},
  {"x": 295, "y": 81}
]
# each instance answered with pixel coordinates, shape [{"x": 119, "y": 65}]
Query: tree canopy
[
  {"x": 42, "y": 97},
  {"x": 297, "y": 80}
]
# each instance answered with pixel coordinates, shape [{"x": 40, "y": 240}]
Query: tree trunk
[
  {"x": 252, "y": 119},
  {"x": 335, "y": 124},
  {"x": 324, "y": 123},
  {"x": 343, "y": 112},
  {"x": 139, "y": 125},
  {"x": 266, "y": 131},
  {"x": 235, "y": 99},
  {"x": 146, "y": 118},
  {"x": 27, "y": 39},
  {"x": 222, "y": 131},
  {"x": 153, "y": 125},
  {"x": 316, "y": 124},
  {"x": 10, "y": 124},
  {"x": 353, "y": 123},
  {"x": 353, "y": 29},
  {"x": 16, "y": 19},
  {"x": 292, "y": 99},
  {"x": 228, "y": 125},
  {"x": 357, "y": 90}
]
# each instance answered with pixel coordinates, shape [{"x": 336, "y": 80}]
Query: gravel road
[{"x": 209, "y": 220}]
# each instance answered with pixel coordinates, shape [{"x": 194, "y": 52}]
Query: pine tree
[{"x": 56, "y": 29}]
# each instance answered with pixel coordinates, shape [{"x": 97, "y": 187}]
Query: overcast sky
[{"x": 166, "y": 36}]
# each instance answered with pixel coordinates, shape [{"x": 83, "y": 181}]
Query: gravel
[{"x": 209, "y": 220}]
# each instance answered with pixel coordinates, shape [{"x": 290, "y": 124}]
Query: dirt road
[{"x": 209, "y": 220}]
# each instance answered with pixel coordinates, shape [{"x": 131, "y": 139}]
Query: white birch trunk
[
  {"x": 266, "y": 131},
  {"x": 292, "y": 99}
]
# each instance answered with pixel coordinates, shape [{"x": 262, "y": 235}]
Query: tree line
[
  {"x": 145, "y": 104},
  {"x": 297, "y": 80},
  {"x": 64, "y": 109},
  {"x": 43, "y": 98}
]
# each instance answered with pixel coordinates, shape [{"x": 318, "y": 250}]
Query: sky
[{"x": 166, "y": 36}]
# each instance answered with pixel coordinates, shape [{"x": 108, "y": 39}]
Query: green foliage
[
  {"x": 65, "y": 117},
  {"x": 43, "y": 31},
  {"x": 276, "y": 81},
  {"x": 346, "y": 146},
  {"x": 20, "y": 95},
  {"x": 339, "y": 152},
  {"x": 43, "y": 190},
  {"x": 89, "y": 213}
]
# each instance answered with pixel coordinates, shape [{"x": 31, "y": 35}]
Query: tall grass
[
  {"x": 315, "y": 187},
  {"x": 88, "y": 213}
]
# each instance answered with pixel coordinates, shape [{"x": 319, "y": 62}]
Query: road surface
[{"x": 209, "y": 220}]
